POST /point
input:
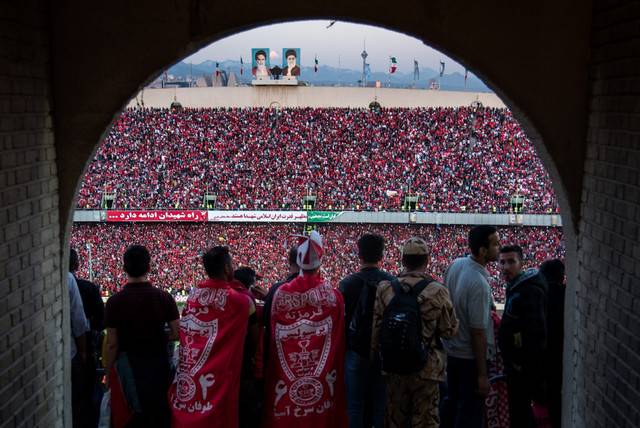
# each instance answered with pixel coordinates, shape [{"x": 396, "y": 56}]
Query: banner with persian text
[
  {"x": 157, "y": 216},
  {"x": 258, "y": 216}
]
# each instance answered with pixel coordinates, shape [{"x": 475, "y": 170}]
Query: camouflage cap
[{"x": 415, "y": 247}]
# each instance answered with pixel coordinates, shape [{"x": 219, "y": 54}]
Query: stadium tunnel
[{"x": 567, "y": 68}]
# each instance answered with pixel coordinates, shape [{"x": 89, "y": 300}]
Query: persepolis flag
[
  {"x": 241, "y": 66},
  {"x": 466, "y": 76},
  {"x": 217, "y": 69},
  {"x": 305, "y": 378},
  {"x": 416, "y": 70},
  {"x": 315, "y": 65},
  {"x": 206, "y": 387},
  {"x": 393, "y": 66},
  {"x": 441, "y": 68}
]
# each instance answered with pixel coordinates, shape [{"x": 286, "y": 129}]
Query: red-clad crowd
[
  {"x": 454, "y": 159},
  {"x": 177, "y": 248}
]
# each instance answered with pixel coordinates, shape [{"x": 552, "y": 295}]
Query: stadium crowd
[
  {"x": 176, "y": 248},
  {"x": 468, "y": 160}
]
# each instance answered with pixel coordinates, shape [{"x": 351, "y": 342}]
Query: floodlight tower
[{"x": 364, "y": 56}]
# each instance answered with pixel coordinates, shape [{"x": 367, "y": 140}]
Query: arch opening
[{"x": 546, "y": 159}]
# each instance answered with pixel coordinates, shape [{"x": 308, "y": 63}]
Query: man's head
[
  {"x": 291, "y": 58},
  {"x": 218, "y": 263},
  {"x": 370, "y": 248},
  {"x": 137, "y": 261},
  {"x": 484, "y": 243},
  {"x": 246, "y": 276},
  {"x": 511, "y": 262},
  {"x": 553, "y": 271},
  {"x": 415, "y": 254},
  {"x": 261, "y": 57},
  {"x": 74, "y": 261}
]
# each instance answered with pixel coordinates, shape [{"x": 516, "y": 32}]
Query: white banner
[{"x": 258, "y": 216}]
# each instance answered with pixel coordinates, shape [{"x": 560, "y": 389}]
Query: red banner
[{"x": 156, "y": 216}]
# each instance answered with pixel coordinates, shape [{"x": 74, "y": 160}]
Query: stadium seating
[
  {"x": 176, "y": 248},
  {"x": 455, "y": 160}
]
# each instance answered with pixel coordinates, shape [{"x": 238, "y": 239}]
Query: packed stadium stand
[
  {"x": 461, "y": 159},
  {"x": 176, "y": 249}
]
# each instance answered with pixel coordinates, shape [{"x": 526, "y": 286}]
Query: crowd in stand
[
  {"x": 176, "y": 247},
  {"x": 455, "y": 159}
]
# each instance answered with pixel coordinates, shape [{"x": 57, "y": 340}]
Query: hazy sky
[{"x": 342, "y": 43}]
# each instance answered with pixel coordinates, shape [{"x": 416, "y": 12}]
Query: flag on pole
[
  {"x": 416, "y": 70},
  {"x": 441, "y": 68},
  {"x": 241, "y": 66},
  {"x": 393, "y": 66},
  {"x": 466, "y": 76},
  {"x": 315, "y": 64},
  {"x": 217, "y": 69}
]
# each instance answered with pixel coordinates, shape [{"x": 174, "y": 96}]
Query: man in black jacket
[
  {"x": 553, "y": 271},
  {"x": 294, "y": 271},
  {"x": 366, "y": 390},
  {"x": 523, "y": 335}
]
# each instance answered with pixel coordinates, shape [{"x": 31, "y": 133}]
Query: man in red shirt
[
  {"x": 304, "y": 377},
  {"x": 212, "y": 332}
]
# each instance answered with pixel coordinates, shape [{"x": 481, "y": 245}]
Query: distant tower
[{"x": 364, "y": 56}]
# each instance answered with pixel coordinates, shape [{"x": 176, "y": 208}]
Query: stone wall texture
[
  {"x": 607, "y": 309},
  {"x": 31, "y": 299}
]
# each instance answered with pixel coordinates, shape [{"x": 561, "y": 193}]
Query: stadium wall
[
  {"x": 303, "y": 96},
  {"x": 100, "y": 216}
]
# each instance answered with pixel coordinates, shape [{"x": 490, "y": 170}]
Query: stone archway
[{"x": 91, "y": 58}]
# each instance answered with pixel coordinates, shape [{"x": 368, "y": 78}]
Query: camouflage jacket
[{"x": 438, "y": 320}]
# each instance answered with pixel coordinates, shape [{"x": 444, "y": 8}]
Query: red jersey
[
  {"x": 305, "y": 378},
  {"x": 213, "y": 327}
]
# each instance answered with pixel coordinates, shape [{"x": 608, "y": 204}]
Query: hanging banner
[
  {"x": 322, "y": 216},
  {"x": 156, "y": 216},
  {"x": 258, "y": 216}
]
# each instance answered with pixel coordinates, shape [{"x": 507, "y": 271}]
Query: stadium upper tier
[
  {"x": 176, "y": 249},
  {"x": 453, "y": 159}
]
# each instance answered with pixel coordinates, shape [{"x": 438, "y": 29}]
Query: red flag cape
[
  {"x": 121, "y": 413},
  {"x": 305, "y": 378},
  {"x": 205, "y": 390}
]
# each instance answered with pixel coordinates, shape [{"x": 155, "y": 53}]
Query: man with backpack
[
  {"x": 366, "y": 389},
  {"x": 411, "y": 314}
]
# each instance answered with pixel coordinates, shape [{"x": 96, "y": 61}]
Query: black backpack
[
  {"x": 402, "y": 350},
  {"x": 360, "y": 326}
]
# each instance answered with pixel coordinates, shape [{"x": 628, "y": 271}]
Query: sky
[{"x": 339, "y": 45}]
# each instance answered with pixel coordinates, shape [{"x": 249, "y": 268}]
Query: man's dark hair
[
  {"x": 245, "y": 275},
  {"x": 479, "y": 237},
  {"x": 414, "y": 261},
  {"x": 371, "y": 247},
  {"x": 290, "y": 52},
  {"x": 260, "y": 52},
  {"x": 553, "y": 271},
  {"x": 293, "y": 255},
  {"x": 74, "y": 261},
  {"x": 137, "y": 261},
  {"x": 215, "y": 260},
  {"x": 513, "y": 249}
]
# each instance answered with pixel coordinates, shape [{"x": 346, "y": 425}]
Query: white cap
[{"x": 310, "y": 251}]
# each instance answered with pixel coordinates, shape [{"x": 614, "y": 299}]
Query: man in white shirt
[
  {"x": 79, "y": 328},
  {"x": 467, "y": 352}
]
